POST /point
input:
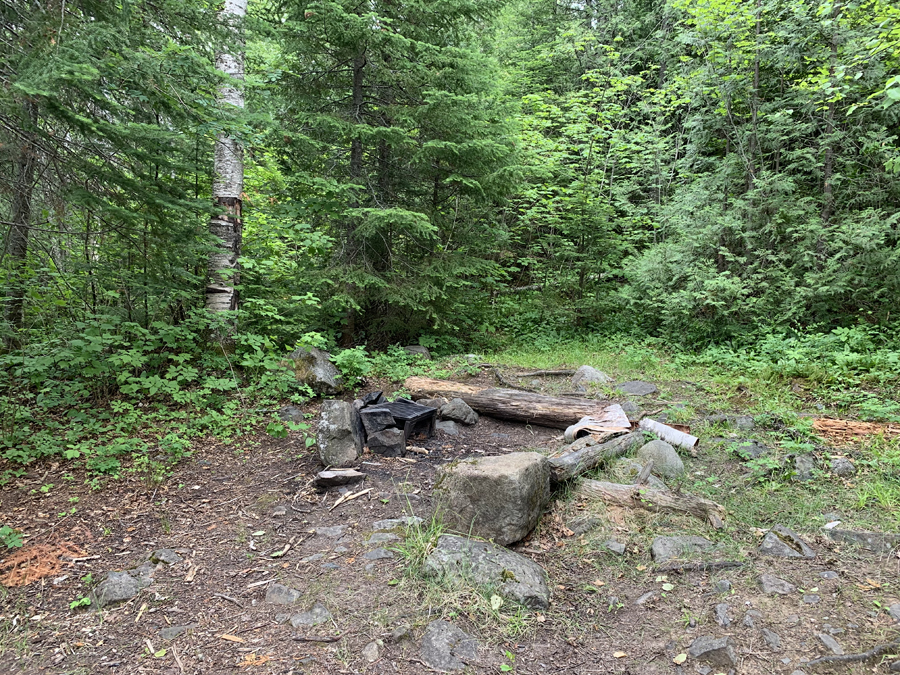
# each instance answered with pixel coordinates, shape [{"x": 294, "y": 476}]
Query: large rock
[
  {"x": 666, "y": 462},
  {"x": 499, "y": 498},
  {"x": 339, "y": 444},
  {"x": 446, "y": 648},
  {"x": 667, "y": 548},
  {"x": 637, "y": 388},
  {"x": 783, "y": 542},
  {"x": 512, "y": 575},
  {"x": 314, "y": 367},
  {"x": 418, "y": 350},
  {"x": 877, "y": 542},
  {"x": 118, "y": 587},
  {"x": 458, "y": 410},
  {"x": 714, "y": 651},
  {"x": 589, "y": 375},
  {"x": 388, "y": 443}
]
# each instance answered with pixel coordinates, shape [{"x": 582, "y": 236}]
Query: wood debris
[
  {"x": 37, "y": 561},
  {"x": 845, "y": 432}
]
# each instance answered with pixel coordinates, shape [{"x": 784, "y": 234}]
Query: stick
[
  {"x": 506, "y": 383},
  {"x": 544, "y": 373},
  {"x": 856, "y": 658},
  {"x": 631, "y": 496},
  {"x": 644, "y": 474},
  {"x": 699, "y": 567},
  {"x": 347, "y": 498},
  {"x": 575, "y": 463},
  {"x": 229, "y": 599},
  {"x": 319, "y": 638}
]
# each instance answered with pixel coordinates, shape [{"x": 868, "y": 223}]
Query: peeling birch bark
[{"x": 228, "y": 182}]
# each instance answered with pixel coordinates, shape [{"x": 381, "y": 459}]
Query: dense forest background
[{"x": 464, "y": 174}]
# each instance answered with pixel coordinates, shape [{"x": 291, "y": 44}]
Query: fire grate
[{"x": 414, "y": 418}]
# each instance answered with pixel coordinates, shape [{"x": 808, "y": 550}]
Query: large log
[
  {"x": 510, "y": 404},
  {"x": 568, "y": 466},
  {"x": 638, "y": 497}
]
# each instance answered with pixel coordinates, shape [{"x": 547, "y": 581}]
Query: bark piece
[
  {"x": 668, "y": 434},
  {"x": 631, "y": 496},
  {"x": 589, "y": 456},
  {"x": 613, "y": 421}
]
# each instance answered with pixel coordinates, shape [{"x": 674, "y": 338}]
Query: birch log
[
  {"x": 510, "y": 404},
  {"x": 668, "y": 434},
  {"x": 228, "y": 179},
  {"x": 568, "y": 466},
  {"x": 638, "y": 497}
]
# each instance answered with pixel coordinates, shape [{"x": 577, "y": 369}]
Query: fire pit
[{"x": 408, "y": 415}]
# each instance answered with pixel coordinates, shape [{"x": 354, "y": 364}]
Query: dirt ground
[{"x": 227, "y": 509}]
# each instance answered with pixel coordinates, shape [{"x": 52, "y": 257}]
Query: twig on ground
[
  {"x": 229, "y": 599},
  {"x": 699, "y": 567},
  {"x": 320, "y": 638},
  {"x": 538, "y": 373},
  {"x": 856, "y": 658}
]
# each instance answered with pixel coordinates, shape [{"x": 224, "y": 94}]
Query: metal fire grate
[{"x": 415, "y": 418}]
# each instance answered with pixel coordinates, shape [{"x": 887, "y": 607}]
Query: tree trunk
[
  {"x": 20, "y": 217},
  {"x": 509, "y": 404},
  {"x": 638, "y": 497},
  {"x": 228, "y": 183}
]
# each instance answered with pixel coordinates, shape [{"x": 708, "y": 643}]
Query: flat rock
[
  {"x": 811, "y": 599},
  {"x": 876, "y": 542},
  {"x": 380, "y": 538},
  {"x": 375, "y": 419},
  {"x": 372, "y": 651},
  {"x": 830, "y": 643},
  {"x": 514, "y": 576},
  {"x": 828, "y": 574},
  {"x": 637, "y": 388},
  {"x": 332, "y": 532},
  {"x": 447, "y": 648},
  {"x": 499, "y": 498},
  {"x": 378, "y": 554},
  {"x": 279, "y": 594},
  {"x": 337, "y": 438},
  {"x": 312, "y": 617},
  {"x": 667, "y": 548},
  {"x": 165, "y": 555},
  {"x": 448, "y": 428},
  {"x": 771, "y": 585},
  {"x": 118, "y": 587},
  {"x": 388, "y": 443},
  {"x": 394, "y": 523},
  {"x": 458, "y": 410},
  {"x": 589, "y": 375},
  {"x": 583, "y": 524},
  {"x": 894, "y": 611},
  {"x": 748, "y": 449},
  {"x": 782, "y": 542},
  {"x": 314, "y": 367},
  {"x": 714, "y": 651},
  {"x": 772, "y": 639},
  {"x": 842, "y": 467},
  {"x": 172, "y": 632},
  {"x": 666, "y": 462},
  {"x": 614, "y": 546},
  {"x": 335, "y": 477}
]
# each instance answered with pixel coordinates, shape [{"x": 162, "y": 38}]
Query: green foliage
[{"x": 10, "y": 538}]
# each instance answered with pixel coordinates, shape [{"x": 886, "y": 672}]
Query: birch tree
[{"x": 228, "y": 181}]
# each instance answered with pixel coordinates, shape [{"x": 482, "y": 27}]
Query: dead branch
[
  {"x": 586, "y": 458},
  {"x": 856, "y": 658},
  {"x": 631, "y": 496},
  {"x": 548, "y": 373},
  {"x": 319, "y": 638}
]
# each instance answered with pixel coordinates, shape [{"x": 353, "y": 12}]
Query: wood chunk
[
  {"x": 336, "y": 477},
  {"x": 633, "y": 496}
]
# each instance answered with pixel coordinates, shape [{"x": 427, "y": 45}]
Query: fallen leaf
[
  {"x": 540, "y": 618},
  {"x": 599, "y": 583},
  {"x": 231, "y": 638},
  {"x": 641, "y": 568},
  {"x": 620, "y": 655},
  {"x": 678, "y": 660}
]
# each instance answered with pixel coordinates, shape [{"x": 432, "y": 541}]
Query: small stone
[
  {"x": 632, "y": 410},
  {"x": 722, "y": 586},
  {"x": 172, "y": 632},
  {"x": 371, "y": 652},
  {"x": 714, "y": 651},
  {"x": 583, "y": 525},
  {"x": 435, "y": 403},
  {"x": 772, "y": 639},
  {"x": 782, "y": 542},
  {"x": 666, "y": 462},
  {"x": 312, "y": 558},
  {"x": 721, "y": 614},
  {"x": 876, "y": 542},
  {"x": 278, "y": 594},
  {"x": 894, "y": 611},
  {"x": 331, "y": 532},
  {"x": 645, "y": 598},
  {"x": 279, "y": 510},
  {"x": 704, "y": 670},
  {"x": 666, "y": 548},
  {"x": 117, "y": 587},
  {"x": 282, "y": 617},
  {"x": 811, "y": 599},
  {"x": 589, "y": 375},
  {"x": 804, "y": 466},
  {"x": 400, "y": 633},
  {"x": 378, "y": 554},
  {"x": 330, "y": 566},
  {"x": 842, "y": 467},
  {"x": 637, "y": 388},
  {"x": 771, "y": 585},
  {"x": 792, "y": 620},
  {"x": 394, "y": 523},
  {"x": 337, "y": 477},
  {"x": 894, "y": 667},
  {"x": 748, "y": 449},
  {"x": 798, "y": 672},
  {"x": 831, "y": 630},
  {"x": 829, "y": 575},
  {"x": 448, "y": 428},
  {"x": 165, "y": 555},
  {"x": 744, "y": 422},
  {"x": 381, "y": 538},
  {"x": 290, "y": 413},
  {"x": 446, "y": 648},
  {"x": 318, "y": 614},
  {"x": 458, "y": 410},
  {"x": 751, "y": 617},
  {"x": 830, "y": 643},
  {"x": 614, "y": 546}
]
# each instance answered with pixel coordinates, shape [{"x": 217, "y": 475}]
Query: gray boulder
[
  {"x": 418, "y": 350},
  {"x": 747, "y": 449},
  {"x": 589, "y": 375},
  {"x": 783, "y": 542},
  {"x": 842, "y": 467},
  {"x": 803, "y": 467},
  {"x": 339, "y": 444},
  {"x": 388, "y": 443},
  {"x": 458, "y": 410},
  {"x": 118, "y": 587},
  {"x": 314, "y": 367},
  {"x": 499, "y": 498},
  {"x": 876, "y": 542},
  {"x": 667, "y": 548},
  {"x": 290, "y": 413},
  {"x": 447, "y": 427},
  {"x": 513, "y": 576},
  {"x": 666, "y": 462},
  {"x": 637, "y": 388},
  {"x": 446, "y": 648},
  {"x": 714, "y": 651}
]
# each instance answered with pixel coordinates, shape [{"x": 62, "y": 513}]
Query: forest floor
[{"x": 226, "y": 509}]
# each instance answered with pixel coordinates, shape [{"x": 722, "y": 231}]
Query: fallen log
[
  {"x": 567, "y": 466},
  {"x": 631, "y": 496},
  {"x": 547, "y": 373},
  {"x": 669, "y": 434},
  {"x": 510, "y": 404}
]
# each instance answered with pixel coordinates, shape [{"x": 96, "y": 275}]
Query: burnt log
[{"x": 511, "y": 404}]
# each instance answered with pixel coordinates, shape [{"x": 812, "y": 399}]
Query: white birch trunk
[{"x": 228, "y": 181}]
